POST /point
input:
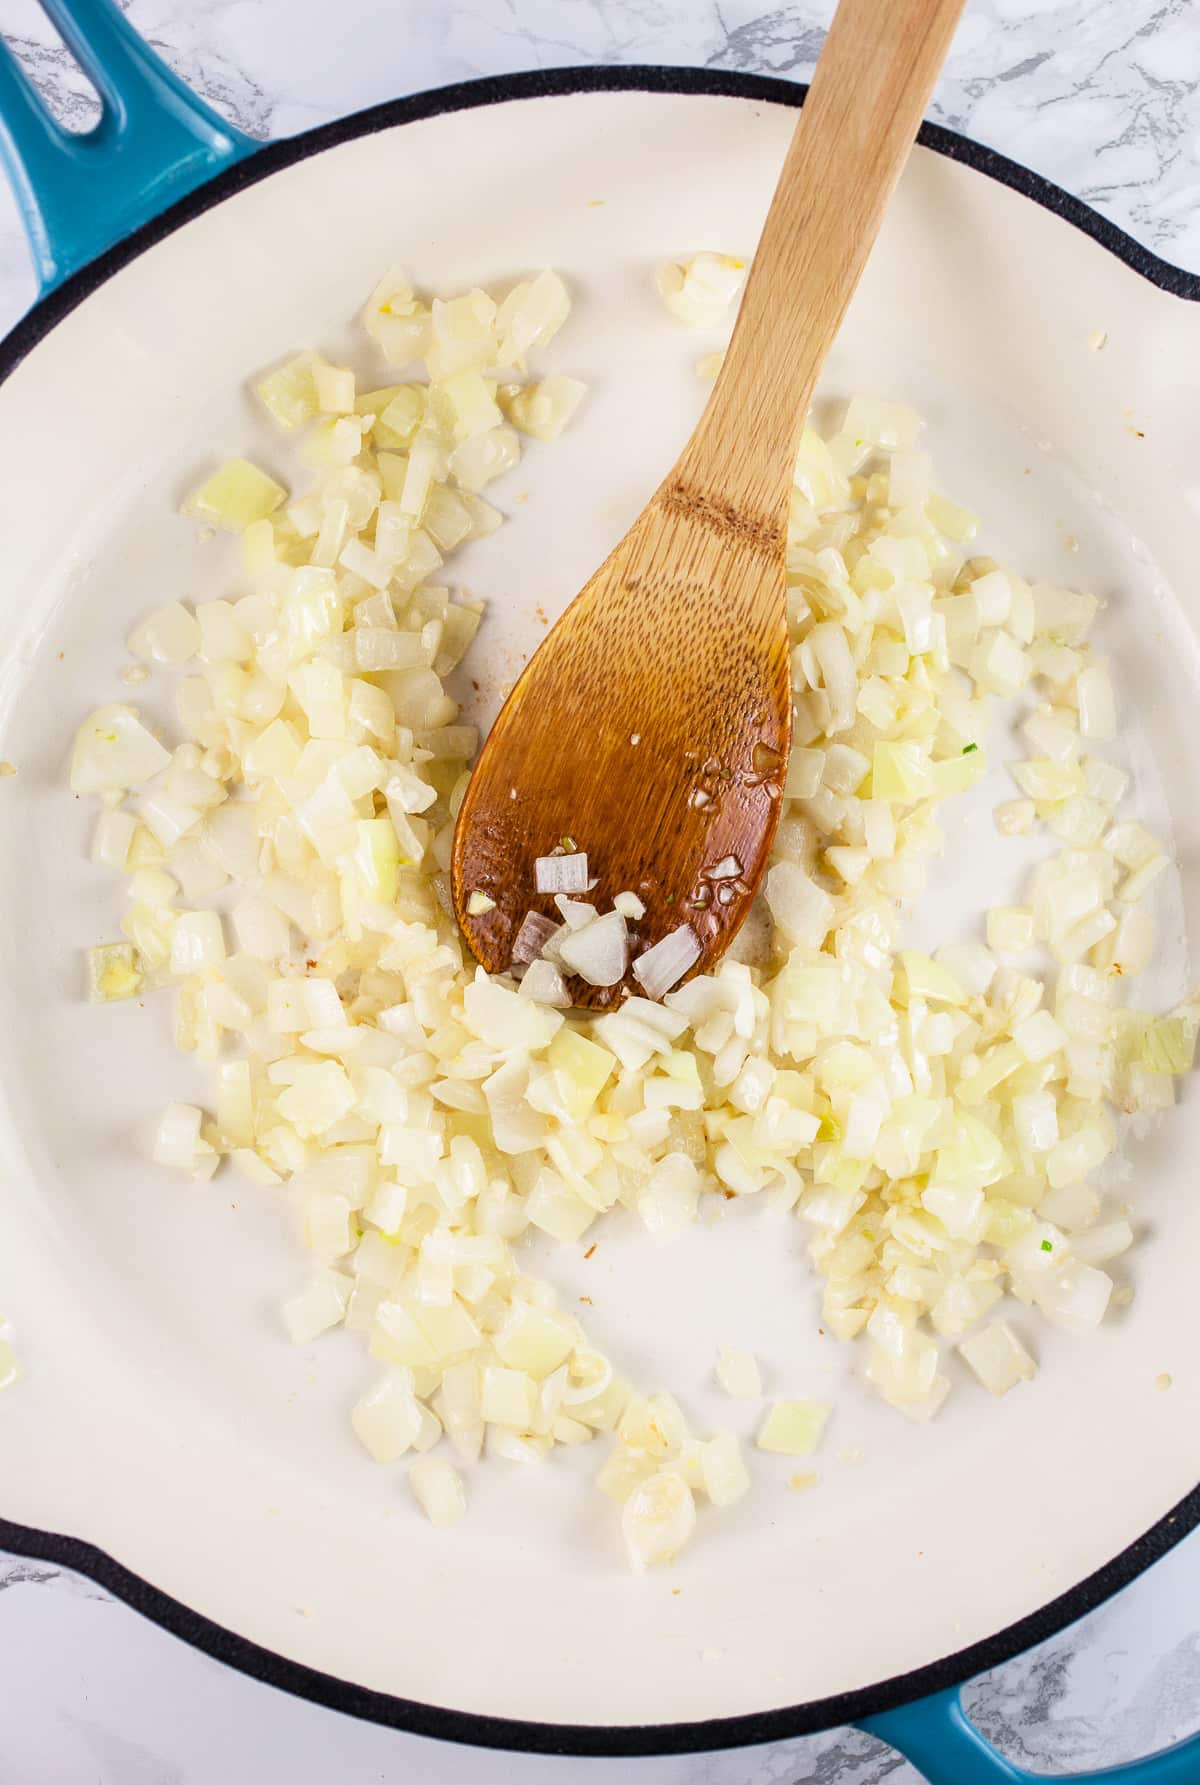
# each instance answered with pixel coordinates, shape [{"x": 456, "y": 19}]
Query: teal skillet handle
[
  {"x": 155, "y": 143},
  {"x": 936, "y": 1735}
]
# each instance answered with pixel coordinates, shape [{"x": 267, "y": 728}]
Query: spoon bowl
[{"x": 650, "y": 737}]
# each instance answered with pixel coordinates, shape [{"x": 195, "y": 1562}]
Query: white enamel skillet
[{"x": 164, "y": 1438}]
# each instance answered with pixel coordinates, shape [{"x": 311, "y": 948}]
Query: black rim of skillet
[{"x": 584, "y": 1740}]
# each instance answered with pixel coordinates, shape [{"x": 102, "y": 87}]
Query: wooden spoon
[{"x": 652, "y": 724}]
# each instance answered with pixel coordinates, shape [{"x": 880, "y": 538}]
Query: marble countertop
[{"x": 1103, "y": 96}]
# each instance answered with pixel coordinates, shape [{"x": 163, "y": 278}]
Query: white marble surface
[{"x": 1103, "y": 96}]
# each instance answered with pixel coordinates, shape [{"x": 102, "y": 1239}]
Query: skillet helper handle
[
  {"x": 937, "y": 1736},
  {"x": 156, "y": 142}
]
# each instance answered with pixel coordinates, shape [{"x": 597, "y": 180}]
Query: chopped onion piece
[
  {"x": 545, "y": 408},
  {"x": 699, "y": 291},
  {"x": 170, "y": 635},
  {"x": 235, "y": 496},
  {"x": 334, "y": 387},
  {"x": 478, "y": 461},
  {"x": 800, "y": 908},
  {"x": 1010, "y": 929},
  {"x": 197, "y": 942},
  {"x": 839, "y": 680},
  {"x": 438, "y": 1489},
  {"x": 561, "y": 873},
  {"x": 112, "y": 838},
  {"x": 575, "y": 913},
  {"x": 532, "y": 937},
  {"x": 726, "y": 1478},
  {"x": 1039, "y": 1036},
  {"x": 530, "y": 316},
  {"x": 1101, "y": 1244},
  {"x": 509, "y": 1397},
  {"x": 738, "y": 1373},
  {"x": 657, "y": 1520},
  {"x": 289, "y": 394},
  {"x": 114, "y": 751},
  {"x": 892, "y": 426},
  {"x": 543, "y": 982},
  {"x": 1139, "y": 880},
  {"x": 1015, "y": 817},
  {"x": 113, "y": 972},
  {"x": 793, "y": 1428},
  {"x": 599, "y": 952},
  {"x": 317, "y": 1308},
  {"x": 387, "y": 1419},
  {"x": 664, "y": 965},
  {"x": 536, "y": 1340},
  {"x": 998, "y": 1357},
  {"x": 1075, "y": 1296},
  {"x": 177, "y": 1143}
]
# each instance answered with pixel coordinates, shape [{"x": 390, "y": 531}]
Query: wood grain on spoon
[{"x": 653, "y": 723}]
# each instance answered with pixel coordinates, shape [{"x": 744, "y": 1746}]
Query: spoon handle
[{"x": 864, "y": 108}]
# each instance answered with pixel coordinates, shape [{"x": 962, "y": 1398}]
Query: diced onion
[
  {"x": 599, "y": 952},
  {"x": 793, "y": 1428},
  {"x": 114, "y": 751},
  {"x": 561, "y": 873},
  {"x": 235, "y": 496},
  {"x": 316, "y": 1309},
  {"x": 112, "y": 838},
  {"x": 664, "y": 965},
  {"x": 726, "y": 1478},
  {"x": 439, "y": 1490},
  {"x": 113, "y": 972},
  {"x": 1076, "y": 1296},
  {"x": 387, "y": 1419},
  {"x": 545, "y": 408},
  {"x": 170, "y": 635},
  {"x": 657, "y": 1520},
  {"x": 738, "y": 1373},
  {"x": 802, "y": 911},
  {"x": 177, "y": 1142},
  {"x": 699, "y": 291},
  {"x": 543, "y": 982},
  {"x": 998, "y": 1357},
  {"x": 532, "y": 937},
  {"x": 937, "y": 1121}
]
